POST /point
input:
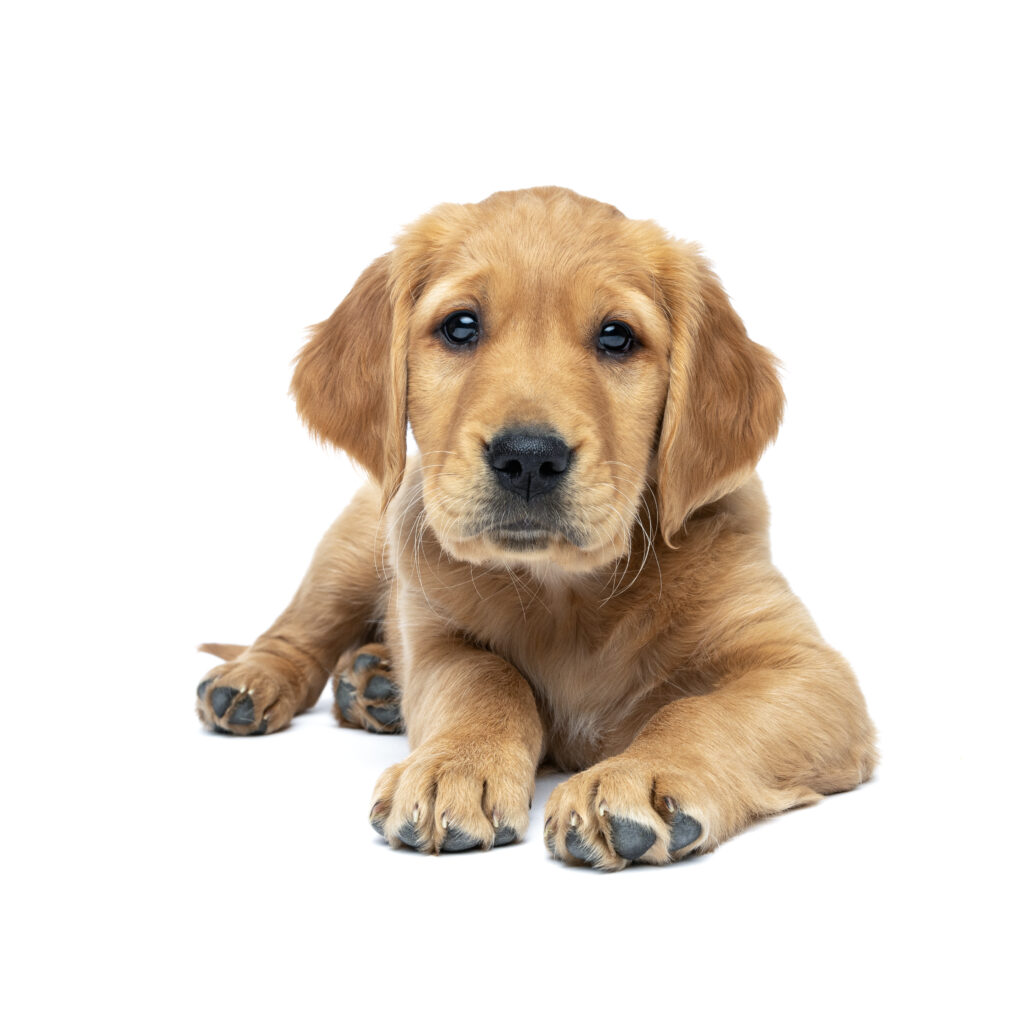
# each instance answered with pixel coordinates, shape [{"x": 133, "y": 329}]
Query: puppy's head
[{"x": 565, "y": 371}]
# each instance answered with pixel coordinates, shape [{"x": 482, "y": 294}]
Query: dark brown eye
[
  {"x": 461, "y": 328},
  {"x": 615, "y": 338}
]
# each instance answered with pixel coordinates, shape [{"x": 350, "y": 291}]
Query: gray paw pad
[
  {"x": 221, "y": 699},
  {"x": 505, "y": 835},
  {"x": 244, "y": 713},
  {"x": 456, "y": 840},
  {"x": 261, "y": 731},
  {"x": 365, "y": 661},
  {"x": 203, "y": 687},
  {"x": 377, "y": 824},
  {"x": 345, "y": 697},
  {"x": 408, "y": 834},
  {"x": 630, "y": 838},
  {"x": 580, "y": 849},
  {"x": 685, "y": 830},
  {"x": 380, "y": 688},
  {"x": 387, "y": 715}
]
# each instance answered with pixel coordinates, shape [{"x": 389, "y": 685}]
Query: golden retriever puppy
[{"x": 575, "y": 570}]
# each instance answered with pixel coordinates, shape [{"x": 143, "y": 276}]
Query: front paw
[
  {"x": 623, "y": 811},
  {"x": 247, "y": 697},
  {"x": 453, "y": 795}
]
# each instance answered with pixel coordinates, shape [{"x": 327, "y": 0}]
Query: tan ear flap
[
  {"x": 724, "y": 403},
  {"x": 350, "y": 379}
]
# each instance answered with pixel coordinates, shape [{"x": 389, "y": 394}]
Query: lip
[
  {"x": 521, "y": 538},
  {"x": 523, "y": 533}
]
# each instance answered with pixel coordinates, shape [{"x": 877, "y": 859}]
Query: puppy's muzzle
[{"x": 528, "y": 463}]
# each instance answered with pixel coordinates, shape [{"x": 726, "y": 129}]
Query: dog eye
[
  {"x": 461, "y": 328},
  {"x": 615, "y": 338}
]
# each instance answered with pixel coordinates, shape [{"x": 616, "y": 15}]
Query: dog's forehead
[{"x": 546, "y": 242}]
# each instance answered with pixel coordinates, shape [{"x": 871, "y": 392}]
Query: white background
[{"x": 186, "y": 187}]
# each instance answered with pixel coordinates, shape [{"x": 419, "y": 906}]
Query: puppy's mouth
[
  {"x": 524, "y": 535},
  {"x": 528, "y": 534}
]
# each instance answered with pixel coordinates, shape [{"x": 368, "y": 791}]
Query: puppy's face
[
  {"x": 537, "y": 375},
  {"x": 566, "y": 372}
]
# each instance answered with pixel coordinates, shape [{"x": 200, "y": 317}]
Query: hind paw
[
  {"x": 366, "y": 695},
  {"x": 246, "y": 697}
]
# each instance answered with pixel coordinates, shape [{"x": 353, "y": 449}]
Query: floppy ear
[
  {"x": 724, "y": 403},
  {"x": 350, "y": 379}
]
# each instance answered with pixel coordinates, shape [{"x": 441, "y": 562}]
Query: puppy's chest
[{"x": 588, "y": 665}]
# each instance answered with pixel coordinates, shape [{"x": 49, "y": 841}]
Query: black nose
[{"x": 528, "y": 464}]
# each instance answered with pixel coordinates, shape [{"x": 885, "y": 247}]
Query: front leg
[
  {"x": 476, "y": 740},
  {"x": 703, "y": 767}
]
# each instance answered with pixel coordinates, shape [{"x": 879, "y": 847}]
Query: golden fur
[{"x": 645, "y": 641}]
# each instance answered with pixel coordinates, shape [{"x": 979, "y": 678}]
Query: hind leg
[
  {"x": 338, "y": 605},
  {"x": 366, "y": 694}
]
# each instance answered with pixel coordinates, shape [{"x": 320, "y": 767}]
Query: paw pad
[
  {"x": 221, "y": 698},
  {"x": 456, "y": 841},
  {"x": 380, "y": 688},
  {"x": 344, "y": 698},
  {"x": 244, "y": 713},
  {"x": 631, "y": 839},
  {"x": 409, "y": 835},
  {"x": 580, "y": 848},
  {"x": 386, "y": 715},
  {"x": 364, "y": 662},
  {"x": 685, "y": 830},
  {"x": 505, "y": 835}
]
